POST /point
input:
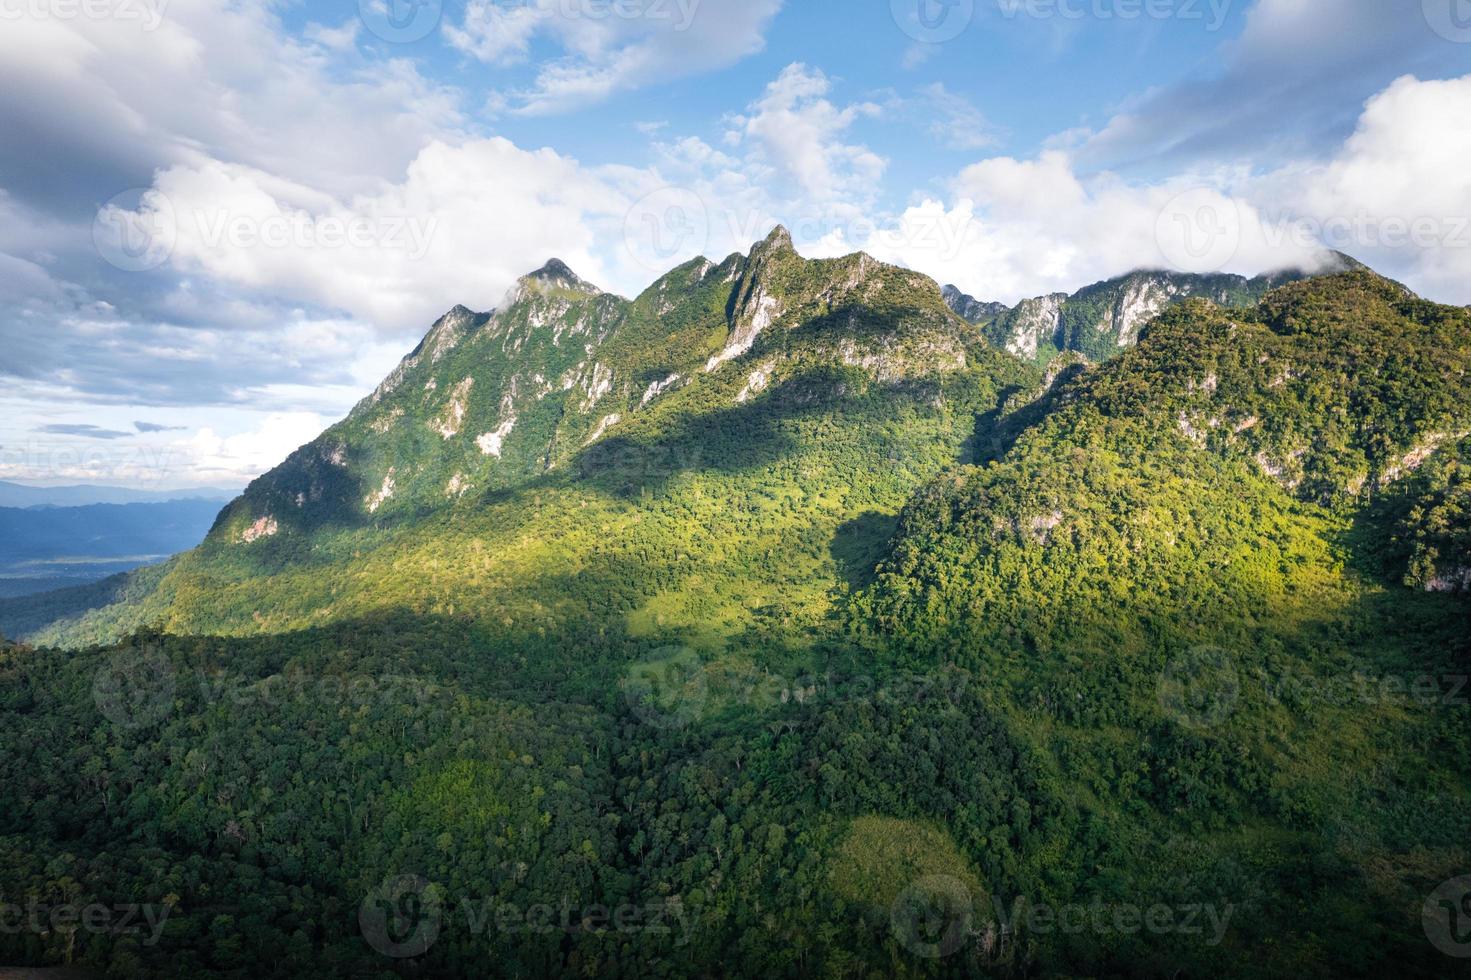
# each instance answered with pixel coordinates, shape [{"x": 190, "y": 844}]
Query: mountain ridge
[
  {"x": 867, "y": 623},
  {"x": 1103, "y": 318}
]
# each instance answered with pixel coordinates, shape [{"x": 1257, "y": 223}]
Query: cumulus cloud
[
  {"x": 464, "y": 222},
  {"x": 239, "y": 457},
  {"x": 795, "y": 130},
  {"x": 1395, "y": 195}
]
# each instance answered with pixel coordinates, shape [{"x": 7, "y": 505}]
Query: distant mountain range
[
  {"x": 51, "y": 547},
  {"x": 1100, "y": 320},
  {"x": 24, "y": 495}
]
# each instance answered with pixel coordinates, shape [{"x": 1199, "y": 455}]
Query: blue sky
[{"x": 222, "y": 222}]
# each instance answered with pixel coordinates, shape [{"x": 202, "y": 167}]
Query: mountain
[
  {"x": 971, "y": 309},
  {"x": 781, "y": 612},
  {"x": 1104, "y": 318},
  {"x": 22, "y": 495},
  {"x": 766, "y": 402},
  {"x": 45, "y": 548}
]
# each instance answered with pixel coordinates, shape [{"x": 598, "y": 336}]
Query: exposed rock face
[
  {"x": 553, "y": 276},
  {"x": 607, "y": 423},
  {"x": 1142, "y": 298},
  {"x": 1106, "y": 317},
  {"x": 488, "y": 401},
  {"x": 1032, "y": 323},
  {"x": 971, "y": 309},
  {"x": 755, "y": 307},
  {"x": 264, "y": 527},
  {"x": 490, "y": 443},
  {"x": 1451, "y": 580},
  {"x": 658, "y": 388}
]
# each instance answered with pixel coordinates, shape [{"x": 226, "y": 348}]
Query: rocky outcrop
[{"x": 971, "y": 309}]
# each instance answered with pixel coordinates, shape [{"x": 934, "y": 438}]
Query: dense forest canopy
[{"x": 774, "y": 623}]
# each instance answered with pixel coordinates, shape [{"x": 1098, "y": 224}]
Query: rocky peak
[
  {"x": 556, "y": 275},
  {"x": 969, "y": 308},
  {"x": 777, "y": 242}
]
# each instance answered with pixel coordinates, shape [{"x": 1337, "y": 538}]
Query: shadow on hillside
[
  {"x": 860, "y": 544},
  {"x": 998, "y": 430},
  {"x": 734, "y": 439}
]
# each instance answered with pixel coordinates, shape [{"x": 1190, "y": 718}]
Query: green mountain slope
[
  {"x": 860, "y": 648},
  {"x": 720, "y": 452}
]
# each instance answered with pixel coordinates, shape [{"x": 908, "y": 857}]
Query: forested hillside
[{"x": 774, "y": 623}]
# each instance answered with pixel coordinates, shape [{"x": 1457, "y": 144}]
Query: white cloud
[
  {"x": 1292, "y": 81},
  {"x": 464, "y": 222},
  {"x": 215, "y": 80},
  {"x": 341, "y": 38},
  {"x": 610, "y": 48},
  {"x": 953, "y": 119},
  {"x": 244, "y": 455},
  {"x": 795, "y": 130},
  {"x": 1396, "y": 195}
]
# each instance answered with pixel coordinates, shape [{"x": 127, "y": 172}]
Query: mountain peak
[
  {"x": 555, "y": 274},
  {"x": 778, "y": 240}
]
